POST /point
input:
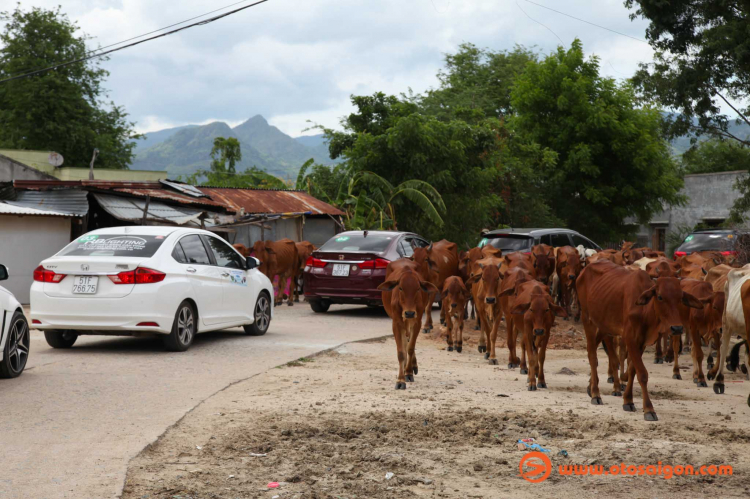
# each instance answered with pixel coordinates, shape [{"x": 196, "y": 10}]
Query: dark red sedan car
[{"x": 349, "y": 268}]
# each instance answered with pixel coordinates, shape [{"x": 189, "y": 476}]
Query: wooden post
[{"x": 145, "y": 210}]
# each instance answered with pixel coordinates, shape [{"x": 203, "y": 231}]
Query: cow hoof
[
  {"x": 597, "y": 401},
  {"x": 702, "y": 384},
  {"x": 291, "y": 303},
  {"x": 482, "y": 348},
  {"x": 730, "y": 367},
  {"x": 541, "y": 384},
  {"x": 416, "y": 370},
  {"x": 676, "y": 376},
  {"x": 410, "y": 378},
  {"x": 650, "y": 416},
  {"x": 511, "y": 365},
  {"x": 617, "y": 394},
  {"x": 532, "y": 388},
  {"x": 400, "y": 386},
  {"x": 743, "y": 368},
  {"x": 628, "y": 407},
  {"x": 450, "y": 349},
  {"x": 493, "y": 362},
  {"x": 458, "y": 349},
  {"x": 710, "y": 359},
  {"x": 425, "y": 331},
  {"x": 622, "y": 386},
  {"x": 748, "y": 400},
  {"x": 710, "y": 376},
  {"x": 524, "y": 371},
  {"x": 486, "y": 355},
  {"x": 718, "y": 388},
  {"x": 659, "y": 361},
  {"x": 610, "y": 380}
]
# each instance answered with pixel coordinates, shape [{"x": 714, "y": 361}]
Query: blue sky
[{"x": 299, "y": 60}]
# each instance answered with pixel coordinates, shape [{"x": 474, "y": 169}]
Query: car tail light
[
  {"x": 147, "y": 324},
  {"x": 315, "y": 262},
  {"x": 728, "y": 253},
  {"x": 141, "y": 275},
  {"x": 36, "y": 321},
  {"x": 678, "y": 254},
  {"x": 43, "y": 275},
  {"x": 378, "y": 263}
]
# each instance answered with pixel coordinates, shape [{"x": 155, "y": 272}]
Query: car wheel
[
  {"x": 262, "y": 315},
  {"x": 183, "y": 329},
  {"x": 60, "y": 339},
  {"x": 320, "y": 306},
  {"x": 16, "y": 348}
]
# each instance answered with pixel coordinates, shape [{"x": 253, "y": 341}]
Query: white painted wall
[{"x": 24, "y": 243}]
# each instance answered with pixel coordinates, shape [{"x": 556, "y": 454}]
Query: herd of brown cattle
[{"x": 627, "y": 300}]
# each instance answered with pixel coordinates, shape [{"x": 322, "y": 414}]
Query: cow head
[
  {"x": 666, "y": 295},
  {"x": 428, "y": 268},
  {"x": 267, "y": 256},
  {"x": 661, "y": 268},
  {"x": 539, "y": 312},
  {"x": 511, "y": 280},
  {"x": 544, "y": 265},
  {"x": 407, "y": 294},
  {"x": 490, "y": 277},
  {"x": 568, "y": 268},
  {"x": 455, "y": 296}
]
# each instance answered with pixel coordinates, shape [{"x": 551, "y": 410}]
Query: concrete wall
[
  {"x": 24, "y": 243},
  {"x": 319, "y": 230},
  {"x": 111, "y": 175},
  {"x": 13, "y": 170}
]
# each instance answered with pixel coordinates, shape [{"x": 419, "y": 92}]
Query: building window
[{"x": 659, "y": 239}]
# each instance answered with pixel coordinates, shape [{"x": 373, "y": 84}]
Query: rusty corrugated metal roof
[
  {"x": 170, "y": 195},
  {"x": 270, "y": 201}
]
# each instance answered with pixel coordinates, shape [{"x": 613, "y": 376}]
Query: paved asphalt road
[{"x": 72, "y": 421}]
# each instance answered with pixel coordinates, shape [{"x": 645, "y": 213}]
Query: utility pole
[{"x": 91, "y": 166}]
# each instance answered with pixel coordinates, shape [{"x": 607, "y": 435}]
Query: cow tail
[{"x": 733, "y": 361}]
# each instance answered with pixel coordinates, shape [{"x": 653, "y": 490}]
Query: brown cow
[
  {"x": 405, "y": 297},
  {"x": 455, "y": 297},
  {"x": 543, "y": 258},
  {"x": 629, "y": 304},
  {"x": 568, "y": 269},
  {"x": 466, "y": 263},
  {"x": 662, "y": 267},
  {"x": 244, "y": 250},
  {"x": 703, "y": 324},
  {"x": 278, "y": 258},
  {"x": 304, "y": 251},
  {"x": 444, "y": 254},
  {"x": 511, "y": 279},
  {"x": 485, "y": 289},
  {"x": 535, "y": 304}
]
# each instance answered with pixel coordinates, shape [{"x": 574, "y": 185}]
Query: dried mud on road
[{"x": 333, "y": 427}]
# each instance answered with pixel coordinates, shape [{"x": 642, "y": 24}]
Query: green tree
[
  {"x": 716, "y": 155},
  {"x": 58, "y": 110},
  {"x": 225, "y": 154},
  {"x": 700, "y": 61},
  {"x": 250, "y": 178},
  {"x": 612, "y": 161}
]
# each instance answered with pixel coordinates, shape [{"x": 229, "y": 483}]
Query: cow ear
[
  {"x": 388, "y": 285},
  {"x": 507, "y": 291},
  {"x": 520, "y": 308},
  {"x": 717, "y": 261},
  {"x": 705, "y": 272},
  {"x": 474, "y": 278},
  {"x": 428, "y": 287},
  {"x": 646, "y": 296},
  {"x": 558, "y": 310},
  {"x": 691, "y": 301}
]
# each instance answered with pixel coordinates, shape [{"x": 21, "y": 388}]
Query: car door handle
[
  {"x": 191, "y": 270},
  {"x": 225, "y": 274}
]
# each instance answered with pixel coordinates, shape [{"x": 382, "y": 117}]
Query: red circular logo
[{"x": 535, "y": 467}]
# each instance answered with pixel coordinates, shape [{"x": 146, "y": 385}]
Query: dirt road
[
  {"x": 335, "y": 427},
  {"x": 70, "y": 424}
]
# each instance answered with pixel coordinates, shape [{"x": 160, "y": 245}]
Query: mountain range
[{"x": 184, "y": 150}]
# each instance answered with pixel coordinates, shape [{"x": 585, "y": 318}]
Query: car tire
[
  {"x": 184, "y": 328},
  {"x": 262, "y": 316},
  {"x": 320, "y": 306},
  {"x": 60, "y": 339},
  {"x": 16, "y": 347}
]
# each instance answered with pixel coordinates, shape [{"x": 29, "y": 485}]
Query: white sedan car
[
  {"x": 14, "y": 333},
  {"x": 168, "y": 281}
]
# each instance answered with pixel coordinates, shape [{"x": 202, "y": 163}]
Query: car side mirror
[
  {"x": 251, "y": 263},
  {"x": 3, "y": 273}
]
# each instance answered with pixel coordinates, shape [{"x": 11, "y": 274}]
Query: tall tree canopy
[
  {"x": 716, "y": 155},
  {"x": 225, "y": 154},
  {"x": 58, "y": 110},
  {"x": 701, "y": 60},
  {"x": 612, "y": 161}
]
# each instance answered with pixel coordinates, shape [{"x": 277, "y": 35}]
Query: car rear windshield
[
  {"x": 707, "y": 242},
  {"x": 358, "y": 242},
  {"x": 508, "y": 243},
  {"x": 114, "y": 245}
]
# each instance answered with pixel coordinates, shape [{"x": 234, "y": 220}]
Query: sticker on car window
[
  {"x": 689, "y": 238},
  {"x": 342, "y": 239},
  {"x": 89, "y": 238},
  {"x": 238, "y": 277}
]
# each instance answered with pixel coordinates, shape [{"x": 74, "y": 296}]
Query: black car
[
  {"x": 512, "y": 240},
  {"x": 724, "y": 241}
]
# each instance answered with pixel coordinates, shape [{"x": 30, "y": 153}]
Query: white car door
[
  {"x": 237, "y": 290},
  {"x": 206, "y": 279}
]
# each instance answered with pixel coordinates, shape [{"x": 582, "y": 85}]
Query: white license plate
[
  {"x": 85, "y": 284},
  {"x": 341, "y": 269}
]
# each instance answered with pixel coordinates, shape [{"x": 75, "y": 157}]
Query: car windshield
[
  {"x": 113, "y": 245},
  {"x": 508, "y": 242},
  {"x": 375, "y": 243},
  {"x": 707, "y": 242}
]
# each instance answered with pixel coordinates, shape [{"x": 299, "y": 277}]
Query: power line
[
  {"x": 548, "y": 29},
  {"x": 101, "y": 54},
  {"x": 584, "y": 21}
]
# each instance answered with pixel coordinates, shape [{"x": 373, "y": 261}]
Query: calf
[
  {"x": 628, "y": 304},
  {"x": 466, "y": 264},
  {"x": 702, "y": 324},
  {"x": 485, "y": 285},
  {"x": 278, "y": 259},
  {"x": 508, "y": 291},
  {"x": 444, "y": 255},
  {"x": 405, "y": 297},
  {"x": 455, "y": 297},
  {"x": 543, "y": 258},
  {"x": 535, "y": 304},
  {"x": 568, "y": 269}
]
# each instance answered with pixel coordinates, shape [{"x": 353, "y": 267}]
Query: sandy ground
[{"x": 333, "y": 426}]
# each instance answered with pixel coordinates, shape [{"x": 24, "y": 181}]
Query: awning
[
  {"x": 8, "y": 209},
  {"x": 131, "y": 210},
  {"x": 70, "y": 203}
]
